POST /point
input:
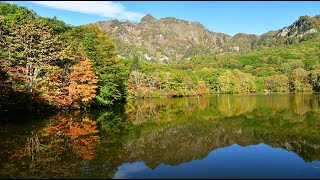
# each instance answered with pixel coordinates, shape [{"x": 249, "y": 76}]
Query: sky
[{"x": 230, "y": 17}]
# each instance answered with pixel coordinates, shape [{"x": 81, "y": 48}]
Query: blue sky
[{"x": 218, "y": 16}]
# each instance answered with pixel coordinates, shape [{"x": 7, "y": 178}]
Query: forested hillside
[{"x": 47, "y": 64}]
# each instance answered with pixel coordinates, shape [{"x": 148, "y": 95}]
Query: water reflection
[
  {"x": 252, "y": 136},
  {"x": 253, "y": 161}
]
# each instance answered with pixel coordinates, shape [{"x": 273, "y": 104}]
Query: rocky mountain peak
[
  {"x": 304, "y": 25},
  {"x": 174, "y": 39},
  {"x": 148, "y": 18}
]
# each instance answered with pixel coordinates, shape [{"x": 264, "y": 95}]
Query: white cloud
[
  {"x": 102, "y": 8},
  {"x": 126, "y": 170}
]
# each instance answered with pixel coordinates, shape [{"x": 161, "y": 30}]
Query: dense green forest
[{"x": 47, "y": 64}]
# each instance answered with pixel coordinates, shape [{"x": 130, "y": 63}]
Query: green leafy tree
[
  {"x": 299, "y": 81},
  {"x": 97, "y": 46},
  {"x": 277, "y": 83},
  {"x": 315, "y": 79}
]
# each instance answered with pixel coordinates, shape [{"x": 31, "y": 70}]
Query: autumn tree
[
  {"x": 32, "y": 48},
  {"x": 97, "y": 46},
  {"x": 135, "y": 83},
  {"x": 299, "y": 80},
  {"x": 37, "y": 62},
  {"x": 277, "y": 83},
  {"x": 82, "y": 84}
]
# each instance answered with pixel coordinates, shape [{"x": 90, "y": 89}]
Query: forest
[{"x": 46, "y": 64}]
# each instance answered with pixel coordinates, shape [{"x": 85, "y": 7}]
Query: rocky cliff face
[
  {"x": 303, "y": 29},
  {"x": 304, "y": 25},
  {"x": 170, "y": 39}
]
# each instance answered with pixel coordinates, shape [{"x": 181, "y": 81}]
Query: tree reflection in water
[{"x": 168, "y": 131}]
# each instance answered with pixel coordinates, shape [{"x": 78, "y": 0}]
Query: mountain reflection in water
[
  {"x": 254, "y": 161},
  {"x": 225, "y": 136}
]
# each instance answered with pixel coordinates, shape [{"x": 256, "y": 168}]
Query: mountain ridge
[{"x": 170, "y": 38}]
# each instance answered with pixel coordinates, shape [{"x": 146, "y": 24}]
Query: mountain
[
  {"x": 303, "y": 29},
  {"x": 170, "y": 39}
]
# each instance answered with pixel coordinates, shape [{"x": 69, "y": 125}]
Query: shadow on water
[{"x": 249, "y": 136}]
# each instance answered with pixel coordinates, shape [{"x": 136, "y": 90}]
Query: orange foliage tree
[
  {"x": 38, "y": 63},
  {"x": 82, "y": 84}
]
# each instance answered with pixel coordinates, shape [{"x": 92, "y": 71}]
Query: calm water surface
[{"x": 225, "y": 136}]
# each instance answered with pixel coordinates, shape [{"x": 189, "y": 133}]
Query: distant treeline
[{"x": 284, "y": 68}]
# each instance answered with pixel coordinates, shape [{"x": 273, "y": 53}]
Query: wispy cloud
[{"x": 102, "y": 8}]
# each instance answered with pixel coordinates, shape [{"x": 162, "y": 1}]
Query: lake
[{"x": 220, "y": 136}]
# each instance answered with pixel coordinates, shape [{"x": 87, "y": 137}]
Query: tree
[
  {"x": 97, "y": 46},
  {"x": 315, "y": 79},
  {"x": 135, "y": 65},
  {"x": 82, "y": 84},
  {"x": 37, "y": 62},
  {"x": 277, "y": 83},
  {"x": 135, "y": 83},
  {"x": 236, "y": 82},
  {"x": 32, "y": 48},
  {"x": 299, "y": 80}
]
